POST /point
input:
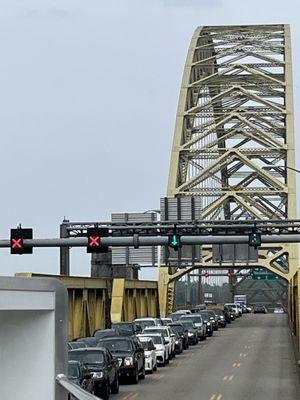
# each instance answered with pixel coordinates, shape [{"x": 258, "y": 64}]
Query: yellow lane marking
[
  {"x": 158, "y": 377},
  {"x": 127, "y": 396},
  {"x": 236, "y": 365},
  {"x": 216, "y": 396},
  {"x": 228, "y": 378}
]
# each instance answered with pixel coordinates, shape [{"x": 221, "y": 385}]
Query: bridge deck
[{"x": 251, "y": 359}]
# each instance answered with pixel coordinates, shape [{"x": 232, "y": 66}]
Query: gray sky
[{"x": 88, "y": 99}]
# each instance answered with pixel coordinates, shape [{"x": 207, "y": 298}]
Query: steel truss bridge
[
  {"x": 234, "y": 147},
  {"x": 234, "y": 143}
]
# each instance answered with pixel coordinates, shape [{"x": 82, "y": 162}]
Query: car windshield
[
  {"x": 162, "y": 331},
  {"x": 205, "y": 315},
  {"x": 188, "y": 324},
  {"x": 123, "y": 327},
  {"x": 145, "y": 345},
  {"x": 156, "y": 339},
  {"x": 87, "y": 357},
  {"x": 116, "y": 345},
  {"x": 177, "y": 328},
  {"x": 196, "y": 319},
  {"x": 77, "y": 345},
  {"x": 73, "y": 371},
  {"x": 211, "y": 314},
  {"x": 143, "y": 323}
]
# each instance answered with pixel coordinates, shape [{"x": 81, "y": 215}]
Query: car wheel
[
  {"x": 167, "y": 361},
  {"x": 115, "y": 386},
  {"x": 155, "y": 367},
  {"x": 135, "y": 376},
  {"x": 143, "y": 373},
  {"x": 104, "y": 394}
]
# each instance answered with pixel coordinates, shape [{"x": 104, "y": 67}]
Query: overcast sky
[{"x": 88, "y": 96}]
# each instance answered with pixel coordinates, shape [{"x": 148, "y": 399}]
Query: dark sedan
[
  {"x": 177, "y": 327},
  {"x": 130, "y": 355},
  {"x": 192, "y": 331},
  {"x": 229, "y": 313},
  {"x": 103, "y": 367},
  {"x": 259, "y": 309},
  {"x": 206, "y": 319},
  {"x": 220, "y": 318},
  {"x": 213, "y": 319}
]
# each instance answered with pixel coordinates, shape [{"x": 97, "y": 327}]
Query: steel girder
[{"x": 234, "y": 134}]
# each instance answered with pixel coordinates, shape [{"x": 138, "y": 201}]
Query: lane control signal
[
  {"x": 17, "y": 237},
  {"x": 254, "y": 239},
  {"x": 174, "y": 241},
  {"x": 206, "y": 274},
  {"x": 94, "y": 236}
]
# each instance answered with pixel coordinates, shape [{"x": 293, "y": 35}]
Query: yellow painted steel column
[
  {"x": 117, "y": 300},
  {"x": 163, "y": 290}
]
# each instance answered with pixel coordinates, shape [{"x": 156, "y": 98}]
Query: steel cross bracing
[
  {"x": 234, "y": 134},
  {"x": 196, "y": 227}
]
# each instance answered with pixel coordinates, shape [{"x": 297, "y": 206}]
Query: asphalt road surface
[{"x": 251, "y": 359}]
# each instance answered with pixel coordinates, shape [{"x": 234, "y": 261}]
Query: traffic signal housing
[
  {"x": 17, "y": 237},
  {"x": 254, "y": 239},
  {"x": 206, "y": 274},
  {"x": 174, "y": 241},
  {"x": 94, "y": 236},
  {"x": 229, "y": 274}
]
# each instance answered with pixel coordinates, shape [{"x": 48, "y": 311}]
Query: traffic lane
[
  {"x": 238, "y": 362},
  {"x": 268, "y": 367}
]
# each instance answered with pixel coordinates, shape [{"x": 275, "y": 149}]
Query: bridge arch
[{"x": 234, "y": 137}]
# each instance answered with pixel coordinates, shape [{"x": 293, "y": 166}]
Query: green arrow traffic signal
[
  {"x": 254, "y": 239},
  {"x": 174, "y": 241}
]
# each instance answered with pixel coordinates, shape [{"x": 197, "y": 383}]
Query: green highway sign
[{"x": 261, "y": 277}]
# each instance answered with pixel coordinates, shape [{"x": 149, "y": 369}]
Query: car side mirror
[
  {"x": 88, "y": 375},
  {"x": 173, "y": 335},
  {"x": 138, "y": 328},
  {"x": 167, "y": 341}
]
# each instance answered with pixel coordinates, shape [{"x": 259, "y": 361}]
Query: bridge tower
[{"x": 234, "y": 138}]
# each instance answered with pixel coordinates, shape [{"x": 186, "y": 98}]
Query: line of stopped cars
[{"x": 129, "y": 350}]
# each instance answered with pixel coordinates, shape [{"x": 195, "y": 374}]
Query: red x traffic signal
[
  {"x": 94, "y": 236},
  {"x": 206, "y": 274},
  {"x": 17, "y": 237}
]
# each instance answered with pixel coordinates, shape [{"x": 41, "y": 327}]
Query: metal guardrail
[{"x": 73, "y": 389}]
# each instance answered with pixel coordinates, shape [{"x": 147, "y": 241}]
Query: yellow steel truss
[{"x": 234, "y": 137}]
